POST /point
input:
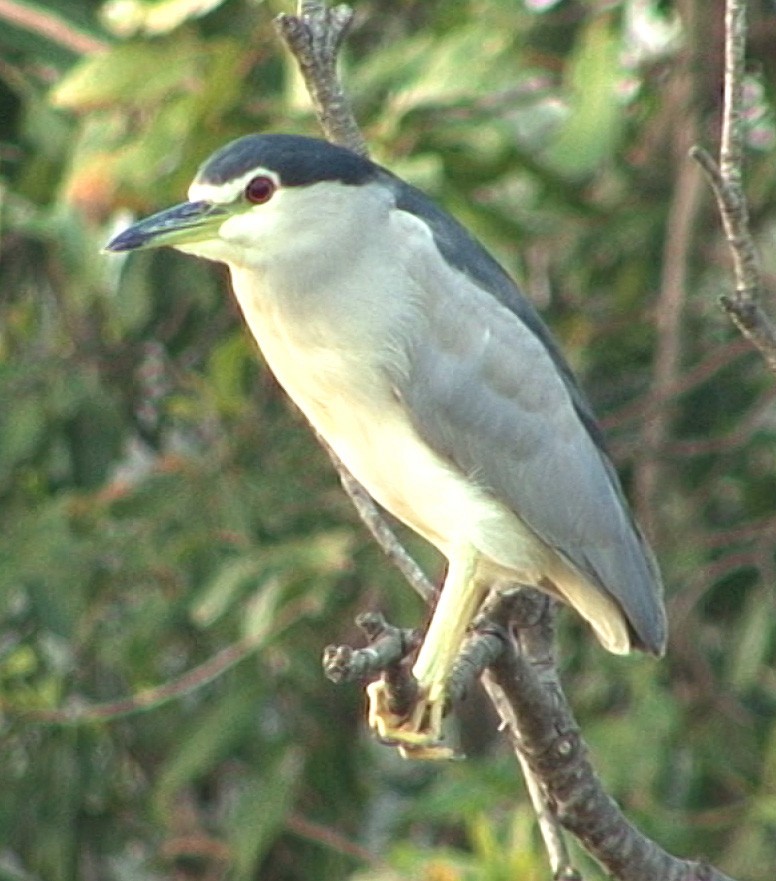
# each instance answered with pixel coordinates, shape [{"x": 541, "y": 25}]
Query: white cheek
[
  {"x": 248, "y": 228},
  {"x": 242, "y": 240},
  {"x": 246, "y": 239},
  {"x": 237, "y": 242},
  {"x": 213, "y": 249}
]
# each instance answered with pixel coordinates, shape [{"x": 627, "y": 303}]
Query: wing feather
[{"x": 489, "y": 390}]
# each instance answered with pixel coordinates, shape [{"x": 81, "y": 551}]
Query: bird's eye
[{"x": 259, "y": 190}]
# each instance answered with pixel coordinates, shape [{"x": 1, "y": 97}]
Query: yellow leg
[{"x": 419, "y": 734}]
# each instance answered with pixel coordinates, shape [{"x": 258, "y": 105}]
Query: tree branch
[
  {"x": 314, "y": 37},
  {"x": 52, "y": 26},
  {"x": 725, "y": 179},
  {"x": 548, "y": 738}
]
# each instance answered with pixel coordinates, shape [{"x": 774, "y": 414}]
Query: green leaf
[
  {"x": 139, "y": 74},
  {"x": 221, "y": 591},
  {"x": 260, "y": 812},
  {"x": 21, "y": 431},
  {"x": 227, "y": 367},
  {"x": 594, "y": 125},
  {"x": 129, "y": 17},
  {"x": 269, "y": 574},
  {"x": 749, "y": 653},
  {"x": 206, "y": 742}
]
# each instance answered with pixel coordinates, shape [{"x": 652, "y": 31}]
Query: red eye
[{"x": 259, "y": 190}]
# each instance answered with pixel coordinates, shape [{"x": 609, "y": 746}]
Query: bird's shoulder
[{"x": 431, "y": 228}]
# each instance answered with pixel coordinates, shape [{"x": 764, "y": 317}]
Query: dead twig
[{"x": 726, "y": 181}]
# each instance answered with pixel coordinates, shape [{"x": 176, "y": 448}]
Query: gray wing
[{"x": 490, "y": 391}]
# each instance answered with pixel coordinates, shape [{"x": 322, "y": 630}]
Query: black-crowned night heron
[{"x": 415, "y": 356}]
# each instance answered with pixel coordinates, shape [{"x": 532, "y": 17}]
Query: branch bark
[
  {"x": 547, "y": 736},
  {"x": 314, "y": 38},
  {"x": 516, "y": 629},
  {"x": 726, "y": 180}
]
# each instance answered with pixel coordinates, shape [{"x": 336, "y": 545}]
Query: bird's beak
[{"x": 182, "y": 224}]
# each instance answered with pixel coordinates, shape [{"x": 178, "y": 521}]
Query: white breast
[{"x": 344, "y": 391}]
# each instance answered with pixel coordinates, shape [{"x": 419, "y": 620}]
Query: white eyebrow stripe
[{"x": 225, "y": 193}]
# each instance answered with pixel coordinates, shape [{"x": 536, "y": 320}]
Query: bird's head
[{"x": 259, "y": 196}]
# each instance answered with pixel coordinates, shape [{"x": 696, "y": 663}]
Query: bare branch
[
  {"x": 725, "y": 179},
  {"x": 51, "y": 26},
  {"x": 388, "y": 645},
  {"x": 672, "y": 297},
  {"x": 547, "y": 735},
  {"x": 314, "y": 37},
  {"x": 79, "y": 712},
  {"x": 326, "y": 836}
]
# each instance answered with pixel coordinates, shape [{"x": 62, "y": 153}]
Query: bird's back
[{"x": 491, "y": 392}]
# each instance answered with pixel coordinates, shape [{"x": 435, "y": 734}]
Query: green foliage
[
  {"x": 590, "y": 133},
  {"x": 174, "y": 549}
]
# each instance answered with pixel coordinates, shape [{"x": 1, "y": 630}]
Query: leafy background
[{"x": 175, "y": 551}]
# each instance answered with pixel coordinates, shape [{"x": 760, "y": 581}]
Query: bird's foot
[{"x": 417, "y": 733}]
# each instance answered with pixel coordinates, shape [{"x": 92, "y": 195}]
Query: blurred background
[{"x": 175, "y": 551}]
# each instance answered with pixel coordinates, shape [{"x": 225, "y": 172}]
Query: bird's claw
[{"x": 417, "y": 734}]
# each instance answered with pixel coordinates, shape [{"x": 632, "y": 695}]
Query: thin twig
[
  {"x": 52, "y": 26},
  {"x": 725, "y": 179},
  {"x": 82, "y": 713},
  {"x": 670, "y": 308},
  {"x": 645, "y": 406},
  {"x": 681, "y": 222},
  {"x": 332, "y": 840}
]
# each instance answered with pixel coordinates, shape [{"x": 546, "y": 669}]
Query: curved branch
[
  {"x": 548, "y": 737},
  {"x": 52, "y": 26}
]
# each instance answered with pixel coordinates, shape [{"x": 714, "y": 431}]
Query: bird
[{"x": 417, "y": 358}]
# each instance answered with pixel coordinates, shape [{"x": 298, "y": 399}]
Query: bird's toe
[{"x": 418, "y": 734}]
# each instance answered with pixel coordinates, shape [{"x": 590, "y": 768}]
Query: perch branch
[
  {"x": 388, "y": 645},
  {"x": 548, "y": 738},
  {"x": 314, "y": 37}
]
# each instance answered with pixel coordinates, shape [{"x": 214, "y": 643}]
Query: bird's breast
[{"x": 340, "y": 374}]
